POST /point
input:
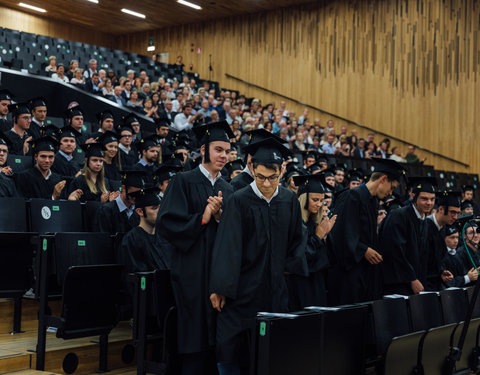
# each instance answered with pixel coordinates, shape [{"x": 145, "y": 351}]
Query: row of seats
[
  {"x": 21, "y": 50},
  {"x": 47, "y": 216}
]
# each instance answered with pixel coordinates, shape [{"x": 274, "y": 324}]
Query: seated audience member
[
  {"x": 453, "y": 263},
  {"x": 411, "y": 157},
  {"x": 19, "y": 135},
  {"x": 185, "y": 120},
  {"x": 92, "y": 181},
  {"x": 92, "y": 85},
  {"x": 65, "y": 164},
  {"x": 78, "y": 79},
  {"x": 118, "y": 215},
  {"x": 107, "y": 90},
  {"x": 143, "y": 249},
  {"x": 111, "y": 156},
  {"x": 359, "y": 151},
  {"x": 168, "y": 112},
  {"x": 60, "y": 74},
  {"x": 72, "y": 66},
  {"x": 397, "y": 156},
  {"x": 39, "y": 181},
  {"x": 91, "y": 70},
  {"x": 117, "y": 96},
  {"x": 148, "y": 109},
  {"x": 5, "y": 100},
  {"x": 51, "y": 67},
  {"x": 135, "y": 103}
]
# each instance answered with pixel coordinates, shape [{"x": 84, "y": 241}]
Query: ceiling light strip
[
  {"x": 189, "y": 4},
  {"x": 28, "y": 6},
  {"x": 132, "y": 13}
]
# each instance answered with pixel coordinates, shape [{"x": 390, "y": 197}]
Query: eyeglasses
[
  {"x": 126, "y": 136},
  {"x": 3, "y": 151},
  {"x": 262, "y": 178}
]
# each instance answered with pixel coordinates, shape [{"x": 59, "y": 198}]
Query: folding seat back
[
  {"x": 435, "y": 347},
  {"x": 470, "y": 350},
  {"x": 13, "y": 215},
  {"x": 425, "y": 311},
  {"x": 402, "y": 354},
  {"x": 454, "y": 305},
  {"x": 19, "y": 163},
  {"x": 49, "y": 216}
]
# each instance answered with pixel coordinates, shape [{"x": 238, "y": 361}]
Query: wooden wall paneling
[{"x": 407, "y": 68}]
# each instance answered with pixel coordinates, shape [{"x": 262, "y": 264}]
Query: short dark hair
[
  {"x": 95, "y": 74},
  {"x": 376, "y": 175},
  {"x": 273, "y": 166}
]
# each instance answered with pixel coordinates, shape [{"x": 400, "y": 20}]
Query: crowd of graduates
[{"x": 244, "y": 219}]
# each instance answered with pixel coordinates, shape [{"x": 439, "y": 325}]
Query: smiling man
[
  {"x": 259, "y": 240},
  {"x": 404, "y": 242},
  {"x": 188, "y": 219},
  {"x": 355, "y": 274}
]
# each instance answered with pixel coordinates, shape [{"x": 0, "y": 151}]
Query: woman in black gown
[
  {"x": 311, "y": 290},
  {"x": 111, "y": 157},
  {"x": 92, "y": 181}
]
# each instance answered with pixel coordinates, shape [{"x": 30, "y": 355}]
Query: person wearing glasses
[
  {"x": 260, "y": 238},
  {"x": 355, "y": 256},
  {"x": 472, "y": 239},
  {"x": 404, "y": 241},
  {"x": 7, "y": 185},
  {"x": 446, "y": 215},
  {"x": 19, "y": 134}
]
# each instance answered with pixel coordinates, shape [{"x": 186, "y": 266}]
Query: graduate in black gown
[
  {"x": 39, "y": 181},
  {"x": 142, "y": 248},
  {"x": 312, "y": 290},
  {"x": 465, "y": 255},
  {"x": 7, "y": 184},
  {"x": 119, "y": 216},
  {"x": 188, "y": 219},
  {"x": 74, "y": 117},
  {"x": 92, "y": 181},
  {"x": 150, "y": 151},
  {"x": 404, "y": 242},
  {"x": 467, "y": 195},
  {"x": 446, "y": 215},
  {"x": 245, "y": 178},
  {"x": 260, "y": 238},
  {"x": 38, "y": 108},
  {"x": 19, "y": 134},
  {"x": 65, "y": 164},
  {"x": 128, "y": 154},
  {"x": 5, "y": 100},
  {"x": 354, "y": 275},
  {"x": 163, "y": 176},
  {"x": 452, "y": 262},
  {"x": 111, "y": 157}
]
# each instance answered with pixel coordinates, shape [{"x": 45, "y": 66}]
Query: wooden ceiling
[{"x": 106, "y": 16}]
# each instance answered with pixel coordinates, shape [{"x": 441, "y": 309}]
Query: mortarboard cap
[
  {"x": 309, "y": 154},
  {"x": 93, "y": 149},
  {"x": 356, "y": 174},
  {"x": 235, "y": 165},
  {"x": 150, "y": 141},
  {"x": 124, "y": 127},
  {"x": 37, "y": 102},
  {"x": 390, "y": 167},
  {"x": 468, "y": 188},
  {"x": 258, "y": 135},
  {"x": 268, "y": 151},
  {"x": 5, "y": 140},
  {"x": 47, "y": 143},
  {"x": 146, "y": 197},
  {"x": 162, "y": 121},
  {"x": 102, "y": 116},
  {"x": 18, "y": 109},
  {"x": 466, "y": 204},
  {"x": 423, "y": 184},
  {"x": 74, "y": 111},
  {"x": 212, "y": 132},
  {"x": 448, "y": 198},
  {"x": 133, "y": 178},
  {"x": 107, "y": 137},
  {"x": 67, "y": 132},
  {"x": 311, "y": 183},
  {"x": 166, "y": 171},
  {"x": 329, "y": 172},
  {"x": 130, "y": 119},
  {"x": 6, "y": 95},
  {"x": 451, "y": 229}
]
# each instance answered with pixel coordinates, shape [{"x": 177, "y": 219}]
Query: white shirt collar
[
  {"x": 418, "y": 213},
  {"x": 208, "y": 175},
  {"x": 434, "y": 219},
  {"x": 259, "y": 194},
  {"x": 451, "y": 251},
  {"x": 123, "y": 148},
  {"x": 68, "y": 157}
]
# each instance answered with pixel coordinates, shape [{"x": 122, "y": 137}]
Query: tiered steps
[{"x": 17, "y": 352}]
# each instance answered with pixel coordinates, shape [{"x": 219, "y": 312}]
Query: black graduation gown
[
  {"x": 5, "y": 125},
  {"x": 465, "y": 262},
  {"x": 352, "y": 278},
  {"x": 241, "y": 180},
  {"x": 79, "y": 182},
  {"x": 179, "y": 221},
  {"x": 112, "y": 172},
  {"x": 141, "y": 252},
  {"x": 111, "y": 220},
  {"x": 257, "y": 242},
  {"x": 310, "y": 290},
  {"x": 436, "y": 252},
  {"x": 7, "y": 187},
  {"x": 64, "y": 167},
  {"x": 34, "y": 130},
  {"x": 128, "y": 160},
  {"x": 150, "y": 169},
  {"x": 16, "y": 148},
  {"x": 404, "y": 249},
  {"x": 31, "y": 184},
  {"x": 454, "y": 264}
]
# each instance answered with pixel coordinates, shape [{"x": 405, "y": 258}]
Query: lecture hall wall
[{"x": 407, "y": 68}]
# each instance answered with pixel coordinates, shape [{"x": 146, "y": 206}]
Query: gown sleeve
[{"x": 296, "y": 262}]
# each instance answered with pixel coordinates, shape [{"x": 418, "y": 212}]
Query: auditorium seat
[
  {"x": 55, "y": 216},
  {"x": 435, "y": 347},
  {"x": 9, "y": 222},
  {"x": 425, "y": 311},
  {"x": 89, "y": 308},
  {"x": 19, "y": 163},
  {"x": 470, "y": 351},
  {"x": 402, "y": 354},
  {"x": 454, "y": 305},
  {"x": 90, "y": 215}
]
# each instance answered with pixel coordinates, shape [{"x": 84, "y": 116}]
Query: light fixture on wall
[
  {"x": 31, "y": 7},
  {"x": 151, "y": 48},
  {"x": 132, "y": 13},
  {"x": 189, "y": 4},
  {"x": 93, "y": 1}
]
